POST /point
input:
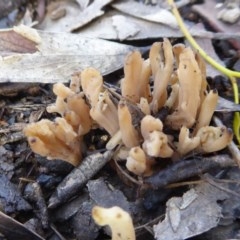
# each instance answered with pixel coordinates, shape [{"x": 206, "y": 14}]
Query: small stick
[
  {"x": 74, "y": 181},
  {"x": 184, "y": 169}
]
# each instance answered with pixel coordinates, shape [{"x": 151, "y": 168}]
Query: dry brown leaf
[{"x": 14, "y": 42}]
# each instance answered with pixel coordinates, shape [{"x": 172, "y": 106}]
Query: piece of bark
[
  {"x": 33, "y": 194},
  {"x": 83, "y": 224},
  {"x": 11, "y": 200},
  {"x": 103, "y": 196}
]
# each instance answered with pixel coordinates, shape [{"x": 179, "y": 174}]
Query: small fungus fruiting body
[
  {"x": 138, "y": 163},
  {"x": 161, "y": 61},
  {"x": 92, "y": 84},
  {"x": 55, "y": 140},
  {"x": 135, "y": 83},
  {"x": 185, "y": 143},
  {"x": 130, "y": 135},
  {"x": 104, "y": 112},
  {"x": 117, "y": 219},
  {"x": 206, "y": 110},
  {"x": 213, "y": 139},
  {"x": 190, "y": 80}
]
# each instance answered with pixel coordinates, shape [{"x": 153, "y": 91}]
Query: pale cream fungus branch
[
  {"x": 129, "y": 134},
  {"x": 213, "y": 139},
  {"x": 161, "y": 60},
  {"x": 138, "y": 163},
  {"x": 62, "y": 92},
  {"x": 150, "y": 124},
  {"x": 54, "y": 140},
  {"x": 72, "y": 107},
  {"x": 177, "y": 50},
  {"x": 207, "y": 109},
  {"x": 155, "y": 141},
  {"x": 78, "y": 114},
  {"x": 172, "y": 100},
  {"x": 186, "y": 144},
  {"x": 117, "y": 219},
  {"x": 103, "y": 110},
  {"x": 202, "y": 66},
  {"x": 135, "y": 84},
  {"x": 190, "y": 81},
  {"x": 92, "y": 84},
  {"x": 105, "y": 113},
  {"x": 144, "y": 106}
]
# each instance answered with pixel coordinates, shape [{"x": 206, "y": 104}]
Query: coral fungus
[
  {"x": 54, "y": 140},
  {"x": 132, "y": 119}
]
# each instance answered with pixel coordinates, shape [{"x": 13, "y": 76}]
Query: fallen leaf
[
  {"x": 59, "y": 56},
  {"x": 208, "y": 11},
  {"x": 147, "y": 12},
  {"x": 124, "y": 27},
  {"x": 225, "y": 105},
  {"x": 13, "y": 42},
  {"x": 76, "y": 15},
  {"x": 194, "y": 213},
  {"x": 104, "y": 28},
  {"x": 91, "y": 12},
  {"x": 57, "y": 22},
  {"x": 83, "y": 3}
]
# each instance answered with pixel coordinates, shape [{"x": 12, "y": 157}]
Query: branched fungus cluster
[{"x": 164, "y": 111}]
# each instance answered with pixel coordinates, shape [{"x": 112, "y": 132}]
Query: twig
[
  {"x": 184, "y": 169},
  {"x": 74, "y": 181}
]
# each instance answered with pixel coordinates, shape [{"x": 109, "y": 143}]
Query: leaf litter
[
  {"x": 53, "y": 58},
  {"x": 195, "y": 212},
  {"x": 59, "y": 55}
]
